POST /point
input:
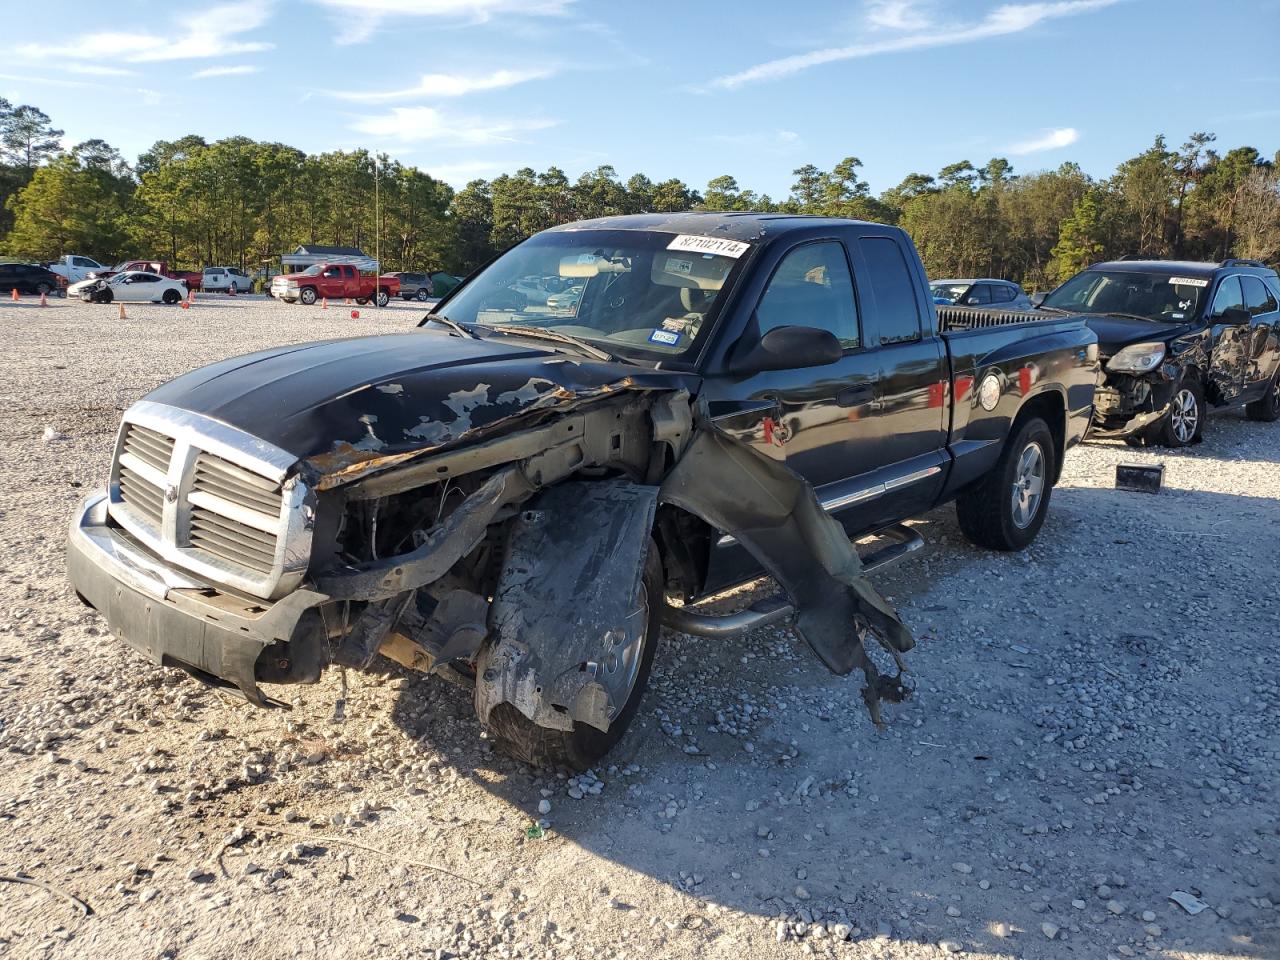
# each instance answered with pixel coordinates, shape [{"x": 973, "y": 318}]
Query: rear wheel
[
  {"x": 362, "y": 300},
  {"x": 307, "y": 295},
  {"x": 628, "y": 669},
  {"x": 1007, "y": 508},
  {"x": 383, "y": 298},
  {"x": 422, "y": 294},
  {"x": 1267, "y": 407},
  {"x": 171, "y": 297},
  {"x": 233, "y": 289},
  {"x": 43, "y": 289},
  {"x": 1185, "y": 421}
]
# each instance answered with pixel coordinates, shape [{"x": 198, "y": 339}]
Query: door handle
[{"x": 855, "y": 396}]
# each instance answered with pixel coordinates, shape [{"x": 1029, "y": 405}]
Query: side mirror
[
  {"x": 1234, "y": 316},
  {"x": 789, "y": 348},
  {"x": 1038, "y": 298}
]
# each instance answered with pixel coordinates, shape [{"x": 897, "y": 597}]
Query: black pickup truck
[{"x": 518, "y": 496}]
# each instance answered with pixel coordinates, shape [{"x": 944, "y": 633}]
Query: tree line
[{"x": 242, "y": 202}]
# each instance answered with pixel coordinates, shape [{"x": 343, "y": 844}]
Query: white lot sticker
[
  {"x": 1189, "y": 281},
  {"x": 716, "y": 245},
  {"x": 676, "y": 265}
]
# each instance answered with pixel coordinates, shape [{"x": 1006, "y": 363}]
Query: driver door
[{"x": 1230, "y": 341}]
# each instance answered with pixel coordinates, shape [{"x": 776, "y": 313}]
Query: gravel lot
[{"x": 1096, "y": 726}]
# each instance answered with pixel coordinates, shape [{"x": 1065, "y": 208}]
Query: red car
[{"x": 334, "y": 281}]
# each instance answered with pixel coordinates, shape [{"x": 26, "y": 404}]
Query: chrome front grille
[
  {"x": 211, "y": 498},
  {"x": 235, "y": 514}
]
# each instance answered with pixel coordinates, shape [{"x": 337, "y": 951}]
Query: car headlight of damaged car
[{"x": 1137, "y": 358}]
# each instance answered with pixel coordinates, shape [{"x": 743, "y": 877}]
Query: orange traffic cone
[
  {"x": 355, "y": 314},
  {"x": 324, "y": 303},
  {"x": 122, "y": 316},
  {"x": 186, "y": 305},
  {"x": 231, "y": 290},
  {"x": 15, "y": 294},
  {"x": 44, "y": 299}
]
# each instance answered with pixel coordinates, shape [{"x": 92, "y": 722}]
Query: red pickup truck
[
  {"x": 190, "y": 278},
  {"x": 334, "y": 281}
]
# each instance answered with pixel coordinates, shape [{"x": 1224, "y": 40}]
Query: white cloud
[
  {"x": 462, "y": 173},
  {"x": 238, "y": 71},
  {"x": 897, "y": 15},
  {"x": 438, "y": 85},
  {"x": 411, "y": 124},
  {"x": 1053, "y": 140},
  {"x": 360, "y": 19},
  {"x": 198, "y": 36},
  {"x": 1002, "y": 21}
]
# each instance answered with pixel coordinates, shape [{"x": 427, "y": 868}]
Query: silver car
[{"x": 982, "y": 292}]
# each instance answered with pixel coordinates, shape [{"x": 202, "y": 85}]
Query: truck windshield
[
  {"x": 631, "y": 291},
  {"x": 1150, "y": 296},
  {"x": 314, "y": 270}
]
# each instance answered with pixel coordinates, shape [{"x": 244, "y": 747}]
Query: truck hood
[
  {"x": 1116, "y": 332},
  {"x": 348, "y": 407}
]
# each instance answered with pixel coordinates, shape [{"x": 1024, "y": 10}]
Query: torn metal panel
[
  {"x": 455, "y": 537},
  {"x": 451, "y": 632},
  {"x": 564, "y": 599},
  {"x": 776, "y": 516}
]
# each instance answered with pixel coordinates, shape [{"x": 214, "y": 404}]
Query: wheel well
[{"x": 1052, "y": 409}]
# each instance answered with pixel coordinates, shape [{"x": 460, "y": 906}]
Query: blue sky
[{"x": 693, "y": 89}]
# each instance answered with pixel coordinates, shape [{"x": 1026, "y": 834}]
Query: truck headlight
[{"x": 1137, "y": 358}]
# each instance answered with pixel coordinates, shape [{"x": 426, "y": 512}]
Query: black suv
[
  {"x": 27, "y": 278},
  {"x": 1175, "y": 336}
]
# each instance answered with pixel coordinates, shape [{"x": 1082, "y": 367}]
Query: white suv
[{"x": 230, "y": 279}]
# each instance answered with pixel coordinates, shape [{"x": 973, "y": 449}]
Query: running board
[{"x": 778, "y": 608}]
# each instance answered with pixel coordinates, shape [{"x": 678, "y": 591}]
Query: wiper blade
[
  {"x": 453, "y": 325},
  {"x": 1052, "y": 309},
  {"x": 546, "y": 333},
  {"x": 1130, "y": 316}
]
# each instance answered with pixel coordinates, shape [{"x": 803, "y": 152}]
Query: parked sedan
[
  {"x": 135, "y": 286},
  {"x": 27, "y": 278},
  {"x": 997, "y": 294}
]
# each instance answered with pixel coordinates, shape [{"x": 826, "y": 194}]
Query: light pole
[{"x": 377, "y": 237}]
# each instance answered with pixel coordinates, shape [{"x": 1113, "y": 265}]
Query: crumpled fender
[
  {"x": 776, "y": 516},
  {"x": 574, "y": 563}
]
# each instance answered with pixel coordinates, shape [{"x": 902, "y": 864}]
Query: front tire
[
  {"x": 1266, "y": 408},
  {"x": 1185, "y": 422},
  {"x": 307, "y": 296},
  {"x": 233, "y": 289},
  {"x": 43, "y": 289},
  {"x": 383, "y": 298},
  {"x": 1007, "y": 508},
  {"x": 421, "y": 296},
  {"x": 583, "y": 747}
]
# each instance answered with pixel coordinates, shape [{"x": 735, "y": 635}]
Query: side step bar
[{"x": 778, "y": 608}]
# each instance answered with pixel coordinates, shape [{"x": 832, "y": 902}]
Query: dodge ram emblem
[{"x": 171, "y": 493}]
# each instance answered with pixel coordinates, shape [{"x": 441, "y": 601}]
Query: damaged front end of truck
[{"x": 498, "y": 537}]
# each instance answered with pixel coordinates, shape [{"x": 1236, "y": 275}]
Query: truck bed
[{"x": 951, "y": 319}]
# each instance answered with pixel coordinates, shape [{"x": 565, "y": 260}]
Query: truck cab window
[
  {"x": 812, "y": 287},
  {"x": 893, "y": 287}
]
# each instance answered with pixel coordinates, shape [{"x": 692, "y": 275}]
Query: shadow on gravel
[{"x": 754, "y": 781}]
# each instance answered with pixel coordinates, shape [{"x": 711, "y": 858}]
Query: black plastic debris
[{"x": 1139, "y": 478}]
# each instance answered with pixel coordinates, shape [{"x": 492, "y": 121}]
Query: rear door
[
  {"x": 1231, "y": 347},
  {"x": 1264, "y": 335},
  {"x": 911, "y": 420}
]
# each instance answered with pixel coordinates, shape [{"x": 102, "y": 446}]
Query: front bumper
[
  {"x": 178, "y": 621},
  {"x": 1127, "y": 405}
]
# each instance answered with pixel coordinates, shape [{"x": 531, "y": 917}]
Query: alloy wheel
[
  {"x": 1185, "y": 412},
  {"x": 1028, "y": 485}
]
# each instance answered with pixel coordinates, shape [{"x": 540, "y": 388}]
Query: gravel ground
[{"x": 1096, "y": 726}]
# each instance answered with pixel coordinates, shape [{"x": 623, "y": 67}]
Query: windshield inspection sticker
[
  {"x": 668, "y": 338},
  {"x": 717, "y": 245},
  {"x": 1189, "y": 281},
  {"x": 676, "y": 265}
]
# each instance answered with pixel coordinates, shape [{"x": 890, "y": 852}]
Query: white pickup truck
[{"x": 76, "y": 268}]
